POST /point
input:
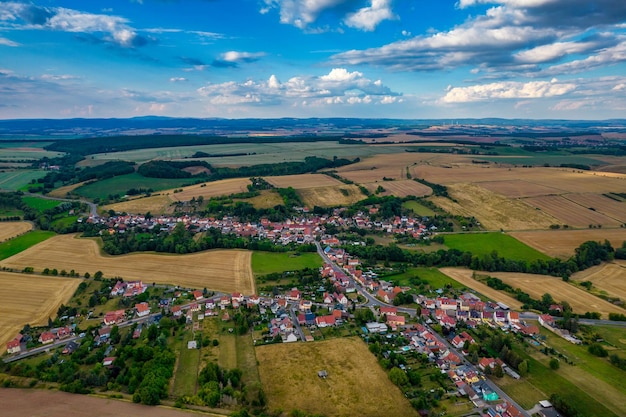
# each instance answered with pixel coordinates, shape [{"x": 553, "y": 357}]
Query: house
[
  {"x": 137, "y": 331},
  {"x": 546, "y": 320},
  {"x": 237, "y": 296},
  {"x": 197, "y": 295},
  {"x": 177, "y": 311},
  {"x": 118, "y": 288},
  {"x": 513, "y": 316},
  {"x": 327, "y": 298},
  {"x": 70, "y": 348},
  {"x": 485, "y": 363},
  {"x": 225, "y": 301},
  {"x": 294, "y": 295},
  {"x": 325, "y": 321},
  {"x": 388, "y": 311},
  {"x": 374, "y": 327},
  {"x": 104, "y": 332},
  {"x": 46, "y": 337},
  {"x": 114, "y": 317},
  {"x": 341, "y": 298},
  {"x": 194, "y": 307},
  {"x": 395, "y": 321},
  {"x": 108, "y": 361},
  {"x": 305, "y": 305},
  {"x": 63, "y": 332},
  {"x": 142, "y": 309},
  {"x": 14, "y": 346}
]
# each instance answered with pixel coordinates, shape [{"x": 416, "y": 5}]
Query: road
[{"x": 93, "y": 208}]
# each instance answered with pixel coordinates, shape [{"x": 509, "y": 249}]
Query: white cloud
[
  {"x": 507, "y": 90},
  {"x": 368, "y": 18},
  {"x": 178, "y": 79},
  {"x": 553, "y": 51},
  {"x": 236, "y": 57},
  {"x": 8, "y": 42}
]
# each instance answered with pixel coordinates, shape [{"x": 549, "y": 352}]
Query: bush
[{"x": 597, "y": 350}]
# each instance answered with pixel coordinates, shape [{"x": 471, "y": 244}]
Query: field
[
  {"x": 219, "y": 270},
  {"x": 464, "y": 276},
  {"x": 30, "y": 299},
  {"x": 400, "y": 188},
  {"x": 609, "y": 278},
  {"x": 15, "y": 180},
  {"x": 264, "y": 263},
  {"x": 562, "y": 243},
  {"x": 601, "y": 204},
  {"x": 21, "y": 402},
  {"x": 155, "y": 204},
  {"x": 570, "y": 213},
  {"x": 40, "y": 204},
  {"x": 9, "y": 230},
  {"x": 494, "y": 211},
  {"x": 266, "y": 199},
  {"x": 435, "y": 278},
  {"x": 121, "y": 184},
  {"x": 299, "y": 182},
  {"x": 485, "y": 243},
  {"x": 211, "y": 189},
  {"x": 537, "y": 285},
  {"x": 356, "y": 384},
  {"x": 23, "y": 242},
  {"x": 518, "y": 188},
  {"x": 62, "y": 192},
  {"x": 331, "y": 196},
  {"x": 418, "y": 209}
]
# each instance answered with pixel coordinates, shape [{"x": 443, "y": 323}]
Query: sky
[{"x": 405, "y": 59}]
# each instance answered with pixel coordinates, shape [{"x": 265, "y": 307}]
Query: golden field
[
  {"x": 356, "y": 384},
  {"x": 30, "y": 299},
  {"x": 9, "y": 230},
  {"x": 299, "y": 182},
  {"x": 610, "y": 278},
  {"x": 211, "y": 189},
  {"x": 219, "y": 270},
  {"x": 569, "y": 213},
  {"x": 155, "y": 204},
  {"x": 464, "y": 276},
  {"x": 400, "y": 188},
  {"x": 334, "y": 195},
  {"x": 562, "y": 243}
]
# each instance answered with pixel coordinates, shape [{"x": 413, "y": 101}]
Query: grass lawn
[
  {"x": 435, "y": 278},
  {"x": 40, "y": 204},
  {"x": 186, "y": 377},
  {"x": 418, "y": 209},
  {"x": 121, "y": 184},
  {"x": 264, "y": 263},
  {"x": 485, "y": 243},
  {"x": 23, "y": 242}
]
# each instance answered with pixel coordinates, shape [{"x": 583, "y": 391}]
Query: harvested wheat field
[
  {"x": 355, "y": 386},
  {"x": 336, "y": 195},
  {"x": 30, "y": 299},
  {"x": 518, "y": 188},
  {"x": 62, "y": 192},
  {"x": 537, "y": 285},
  {"x": 604, "y": 205},
  {"x": 155, "y": 204},
  {"x": 211, "y": 189},
  {"x": 401, "y": 188},
  {"x": 8, "y": 230},
  {"x": 299, "y": 182},
  {"x": 464, "y": 277},
  {"x": 570, "y": 213},
  {"x": 494, "y": 211},
  {"x": 219, "y": 270},
  {"x": 607, "y": 277},
  {"x": 24, "y": 402},
  {"x": 562, "y": 243},
  {"x": 266, "y": 199}
]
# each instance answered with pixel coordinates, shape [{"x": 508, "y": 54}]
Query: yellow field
[
  {"x": 211, "y": 189},
  {"x": 570, "y": 213},
  {"x": 299, "y": 182},
  {"x": 401, "y": 188},
  {"x": 610, "y": 278},
  {"x": 335, "y": 195},
  {"x": 494, "y": 211},
  {"x": 9, "y": 230},
  {"x": 219, "y": 270},
  {"x": 356, "y": 384},
  {"x": 518, "y": 188},
  {"x": 155, "y": 204},
  {"x": 464, "y": 276},
  {"x": 30, "y": 299},
  {"x": 62, "y": 192},
  {"x": 267, "y": 199},
  {"x": 562, "y": 243},
  {"x": 537, "y": 285},
  {"x": 607, "y": 206}
]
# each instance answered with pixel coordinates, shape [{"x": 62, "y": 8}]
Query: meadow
[
  {"x": 121, "y": 184},
  {"x": 356, "y": 384},
  {"x": 14, "y": 180},
  {"x": 23, "y": 242},
  {"x": 418, "y": 209},
  {"x": 40, "y": 204},
  {"x": 264, "y": 263},
  {"x": 219, "y": 270},
  {"x": 436, "y": 279},
  {"x": 481, "y": 244}
]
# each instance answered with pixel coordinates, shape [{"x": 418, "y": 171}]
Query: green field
[
  {"x": 23, "y": 242},
  {"x": 485, "y": 243},
  {"x": 435, "y": 278},
  {"x": 418, "y": 209},
  {"x": 40, "y": 204},
  {"x": 121, "y": 184},
  {"x": 258, "y": 153},
  {"x": 17, "y": 179},
  {"x": 264, "y": 263},
  {"x": 186, "y": 376}
]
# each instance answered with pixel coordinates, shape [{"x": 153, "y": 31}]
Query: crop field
[
  {"x": 40, "y": 204},
  {"x": 355, "y": 386},
  {"x": 485, "y": 243},
  {"x": 494, "y": 211},
  {"x": 155, "y": 204},
  {"x": 30, "y": 299},
  {"x": 121, "y": 184},
  {"x": 609, "y": 278},
  {"x": 264, "y": 263},
  {"x": 267, "y": 199},
  {"x": 23, "y": 242},
  {"x": 299, "y": 182},
  {"x": 518, "y": 188},
  {"x": 62, "y": 192},
  {"x": 331, "y": 196},
  {"x": 570, "y": 213},
  {"x": 418, "y": 209},
  {"x": 211, "y": 189},
  {"x": 219, "y": 270},
  {"x": 464, "y": 276},
  {"x": 601, "y": 204},
  {"x": 15, "y": 180},
  {"x": 9, "y": 230},
  {"x": 538, "y": 285},
  {"x": 401, "y": 188},
  {"x": 16, "y": 151},
  {"x": 562, "y": 243}
]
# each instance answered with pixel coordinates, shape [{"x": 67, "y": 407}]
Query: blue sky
[{"x": 563, "y": 59}]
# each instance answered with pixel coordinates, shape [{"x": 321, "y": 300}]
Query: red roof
[{"x": 13, "y": 344}]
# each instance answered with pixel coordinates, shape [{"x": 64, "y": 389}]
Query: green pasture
[
  {"x": 418, "y": 209},
  {"x": 485, "y": 243},
  {"x": 186, "y": 376},
  {"x": 435, "y": 278},
  {"x": 40, "y": 204},
  {"x": 14, "y": 180},
  {"x": 23, "y": 242},
  {"x": 121, "y": 184},
  {"x": 258, "y": 153},
  {"x": 264, "y": 263}
]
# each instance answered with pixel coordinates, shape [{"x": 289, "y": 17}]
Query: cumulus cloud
[
  {"x": 507, "y": 90},
  {"x": 368, "y": 18},
  {"x": 339, "y": 86},
  {"x": 113, "y": 29}
]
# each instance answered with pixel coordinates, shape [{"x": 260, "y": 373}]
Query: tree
[
  {"x": 522, "y": 368},
  {"x": 554, "y": 364},
  {"x": 398, "y": 377},
  {"x": 98, "y": 275}
]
